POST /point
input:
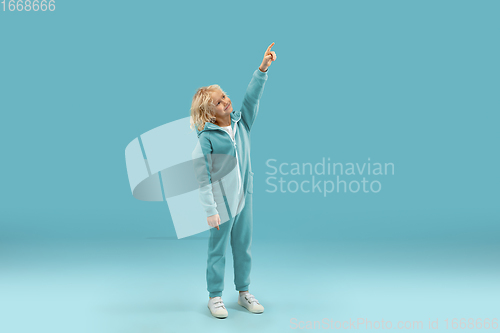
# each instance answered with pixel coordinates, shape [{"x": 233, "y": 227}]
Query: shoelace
[{"x": 251, "y": 298}]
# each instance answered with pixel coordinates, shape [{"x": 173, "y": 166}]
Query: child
[{"x": 221, "y": 130}]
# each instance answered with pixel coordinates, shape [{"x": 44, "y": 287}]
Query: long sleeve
[
  {"x": 250, "y": 106},
  {"x": 202, "y": 160}
]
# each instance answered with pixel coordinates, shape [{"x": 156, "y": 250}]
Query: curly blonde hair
[{"x": 202, "y": 106}]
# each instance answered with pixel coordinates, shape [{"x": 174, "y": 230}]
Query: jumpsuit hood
[{"x": 235, "y": 116}]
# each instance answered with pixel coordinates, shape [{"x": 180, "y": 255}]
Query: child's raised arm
[{"x": 250, "y": 106}]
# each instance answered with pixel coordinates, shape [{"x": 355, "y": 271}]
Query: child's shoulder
[{"x": 204, "y": 135}]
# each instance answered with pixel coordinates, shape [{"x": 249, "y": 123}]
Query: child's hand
[
  {"x": 214, "y": 221},
  {"x": 269, "y": 57}
]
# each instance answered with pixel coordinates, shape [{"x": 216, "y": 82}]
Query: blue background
[{"x": 413, "y": 83}]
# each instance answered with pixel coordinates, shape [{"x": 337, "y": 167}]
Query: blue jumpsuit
[{"x": 214, "y": 140}]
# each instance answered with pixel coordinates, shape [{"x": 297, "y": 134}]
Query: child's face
[{"x": 222, "y": 104}]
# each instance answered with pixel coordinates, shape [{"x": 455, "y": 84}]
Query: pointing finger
[{"x": 269, "y": 48}]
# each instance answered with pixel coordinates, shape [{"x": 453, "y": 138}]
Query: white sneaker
[
  {"x": 217, "y": 308},
  {"x": 249, "y": 302}
]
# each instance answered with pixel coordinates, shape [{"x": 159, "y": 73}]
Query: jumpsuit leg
[
  {"x": 216, "y": 262},
  {"x": 239, "y": 229},
  {"x": 241, "y": 243}
]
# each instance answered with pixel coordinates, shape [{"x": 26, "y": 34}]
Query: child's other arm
[{"x": 202, "y": 160}]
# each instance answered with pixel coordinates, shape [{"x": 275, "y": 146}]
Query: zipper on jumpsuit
[{"x": 235, "y": 152}]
